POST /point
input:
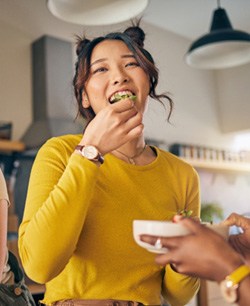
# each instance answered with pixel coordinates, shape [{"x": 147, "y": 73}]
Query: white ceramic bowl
[
  {"x": 156, "y": 228},
  {"x": 168, "y": 229}
]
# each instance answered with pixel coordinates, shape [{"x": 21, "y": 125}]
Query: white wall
[
  {"x": 196, "y": 118},
  {"x": 15, "y": 78},
  {"x": 234, "y": 98},
  {"x": 197, "y": 115}
]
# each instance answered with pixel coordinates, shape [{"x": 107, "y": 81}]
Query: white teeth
[{"x": 121, "y": 93}]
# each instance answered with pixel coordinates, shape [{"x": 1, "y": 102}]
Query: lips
[{"x": 123, "y": 94}]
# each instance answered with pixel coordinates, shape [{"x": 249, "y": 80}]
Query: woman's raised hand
[{"x": 113, "y": 126}]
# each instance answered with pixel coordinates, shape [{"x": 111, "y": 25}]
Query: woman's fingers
[
  {"x": 123, "y": 105},
  {"x": 133, "y": 122},
  {"x": 126, "y": 121},
  {"x": 127, "y": 115},
  {"x": 119, "y": 123}
]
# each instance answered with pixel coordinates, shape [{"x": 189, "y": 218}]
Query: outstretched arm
[
  {"x": 3, "y": 234},
  {"x": 3, "y": 222},
  {"x": 203, "y": 253}
]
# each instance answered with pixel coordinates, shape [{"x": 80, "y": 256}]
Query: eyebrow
[{"x": 104, "y": 59}]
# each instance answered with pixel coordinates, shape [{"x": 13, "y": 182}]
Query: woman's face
[{"x": 114, "y": 69}]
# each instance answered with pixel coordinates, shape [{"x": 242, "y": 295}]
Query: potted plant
[{"x": 211, "y": 211}]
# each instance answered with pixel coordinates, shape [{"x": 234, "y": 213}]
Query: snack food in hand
[
  {"x": 122, "y": 95},
  {"x": 185, "y": 213}
]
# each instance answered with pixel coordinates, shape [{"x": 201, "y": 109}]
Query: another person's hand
[
  {"x": 202, "y": 253},
  {"x": 240, "y": 242}
]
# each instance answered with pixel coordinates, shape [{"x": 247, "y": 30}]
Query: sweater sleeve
[
  {"x": 180, "y": 288},
  {"x": 60, "y": 188},
  {"x": 193, "y": 194}
]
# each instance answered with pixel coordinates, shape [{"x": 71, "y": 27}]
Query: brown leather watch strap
[
  {"x": 99, "y": 158},
  {"x": 79, "y": 147}
]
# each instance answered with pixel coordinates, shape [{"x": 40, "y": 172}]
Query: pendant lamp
[
  {"x": 96, "y": 12},
  {"x": 222, "y": 47}
]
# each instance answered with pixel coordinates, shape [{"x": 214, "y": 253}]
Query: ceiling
[{"x": 188, "y": 18}]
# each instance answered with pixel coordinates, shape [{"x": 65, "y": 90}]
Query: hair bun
[
  {"x": 81, "y": 44},
  {"x": 136, "y": 34}
]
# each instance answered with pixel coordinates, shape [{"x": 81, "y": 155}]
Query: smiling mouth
[{"x": 125, "y": 94}]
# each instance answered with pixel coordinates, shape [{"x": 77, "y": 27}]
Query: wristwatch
[
  {"x": 229, "y": 286},
  {"x": 91, "y": 153}
]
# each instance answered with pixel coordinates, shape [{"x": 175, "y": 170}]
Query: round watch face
[
  {"x": 229, "y": 291},
  {"x": 90, "y": 152}
]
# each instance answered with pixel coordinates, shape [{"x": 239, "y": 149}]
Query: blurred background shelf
[{"x": 219, "y": 166}]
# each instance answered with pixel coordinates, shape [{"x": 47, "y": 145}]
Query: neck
[
  {"x": 130, "y": 153},
  {"x": 133, "y": 147}
]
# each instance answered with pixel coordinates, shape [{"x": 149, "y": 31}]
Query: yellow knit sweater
[{"x": 76, "y": 234}]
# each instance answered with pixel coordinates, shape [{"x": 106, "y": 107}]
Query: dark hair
[{"x": 133, "y": 37}]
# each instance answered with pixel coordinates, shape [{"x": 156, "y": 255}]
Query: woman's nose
[
  {"x": 119, "y": 78},
  {"x": 120, "y": 81}
]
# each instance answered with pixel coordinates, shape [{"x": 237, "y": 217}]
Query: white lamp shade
[
  {"x": 96, "y": 12},
  {"x": 220, "y": 55}
]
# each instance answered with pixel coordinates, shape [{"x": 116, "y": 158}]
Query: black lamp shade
[{"x": 222, "y": 47}]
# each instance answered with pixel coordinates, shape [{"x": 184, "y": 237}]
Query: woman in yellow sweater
[{"x": 86, "y": 190}]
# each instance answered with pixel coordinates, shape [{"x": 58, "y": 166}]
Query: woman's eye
[
  {"x": 132, "y": 64},
  {"x": 100, "y": 69}
]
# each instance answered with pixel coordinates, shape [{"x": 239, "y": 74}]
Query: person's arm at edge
[
  {"x": 219, "y": 261},
  {"x": 3, "y": 234},
  {"x": 4, "y": 203}
]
